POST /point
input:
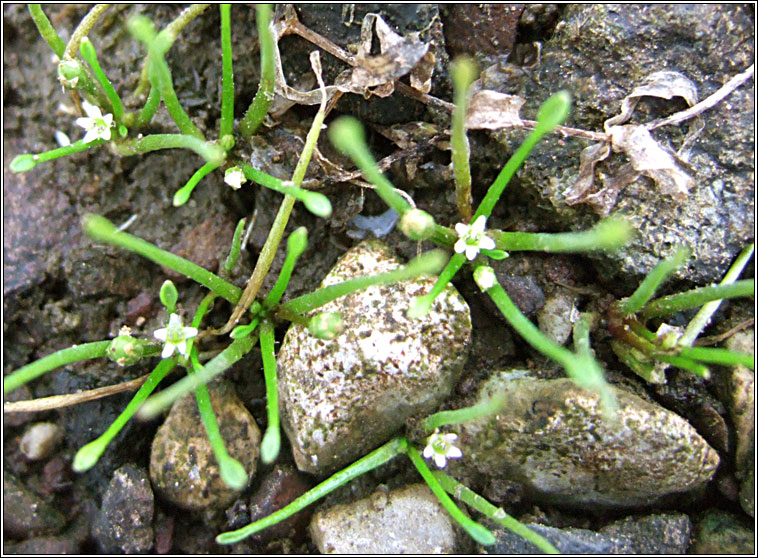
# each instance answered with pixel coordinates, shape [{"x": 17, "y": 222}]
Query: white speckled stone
[
  {"x": 343, "y": 398},
  {"x": 409, "y": 520},
  {"x": 554, "y": 439}
]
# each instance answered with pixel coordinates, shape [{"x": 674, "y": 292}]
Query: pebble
[
  {"x": 721, "y": 532},
  {"x": 408, "y": 520},
  {"x": 183, "y": 468},
  {"x": 555, "y": 317},
  {"x": 40, "y": 439},
  {"x": 343, "y": 398},
  {"x": 650, "y": 534},
  {"x": 125, "y": 522},
  {"x": 25, "y": 514},
  {"x": 278, "y": 488},
  {"x": 740, "y": 395},
  {"x": 554, "y": 439}
]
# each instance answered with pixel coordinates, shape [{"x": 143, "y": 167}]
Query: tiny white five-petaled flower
[
  {"x": 471, "y": 238},
  {"x": 96, "y": 125},
  {"x": 175, "y": 336},
  {"x": 234, "y": 177},
  {"x": 441, "y": 448}
]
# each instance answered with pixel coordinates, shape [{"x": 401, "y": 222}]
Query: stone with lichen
[
  {"x": 184, "y": 469},
  {"x": 556, "y": 440},
  {"x": 343, "y": 398}
]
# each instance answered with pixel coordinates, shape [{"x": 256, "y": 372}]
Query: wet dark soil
[{"x": 60, "y": 288}]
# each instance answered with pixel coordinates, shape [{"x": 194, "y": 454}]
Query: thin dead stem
[{"x": 67, "y": 400}]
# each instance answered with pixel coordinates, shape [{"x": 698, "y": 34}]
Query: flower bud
[{"x": 417, "y": 224}]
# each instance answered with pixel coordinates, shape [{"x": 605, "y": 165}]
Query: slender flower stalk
[
  {"x": 46, "y": 29},
  {"x": 103, "y": 230},
  {"x": 227, "y": 80},
  {"x": 463, "y": 72},
  {"x": 653, "y": 280},
  {"x": 272, "y": 438},
  {"x": 371, "y": 461},
  {"x": 39, "y": 367},
  {"x": 87, "y": 51},
  {"x": 259, "y": 107},
  {"x": 89, "y": 454}
]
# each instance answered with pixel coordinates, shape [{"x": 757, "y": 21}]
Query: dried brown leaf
[
  {"x": 588, "y": 159},
  {"x": 492, "y": 110},
  {"x": 421, "y": 74},
  {"x": 398, "y": 56},
  {"x": 650, "y": 158},
  {"x": 665, "y": 84}
]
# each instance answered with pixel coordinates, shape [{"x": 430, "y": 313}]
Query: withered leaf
[
  {"x": 650, "y": 158},
  {"x": 665, "y": 84},
  {"x": 492, "y": 110},
  {"x": 398, "y": 55}
]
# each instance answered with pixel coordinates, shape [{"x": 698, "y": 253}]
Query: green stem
[
  {"x": 160, "y": 77},
  {"x": 296, "y": 244},
  {"x": 87, "y": 50},
  {"x": 223, "y": 361},
  {"x": 82, "y": 29},
  {"x": 463, "y": 72},
  {"x": 259, "y": 107},
  {"x": 427, "y": 263},
  {"x": 347, "y": 135},
  {"x": 478, "y": 532},
  {"x": 482, "y": 409},
  {"x": 211, "y": 152},
  {"x": 422, "y": 304},
  {"x": 552, "y": 113},
  {"x": 231, "y": 471},
  {"x": 672, "y": 304},
  {"x": 148, "y": 111},
  {"x": 608, "y": 234},
  {"x": 227, "y": 80},
  {"x": 582, "y": 368},
  {"x": 718, "y": 356},
  {"x": 59, "y": 358},
  {"x": 703, "y": 317},
  {"x": 27, "y": 161},
  {"x": 662, "y": 271},
  {"x": 90, "y": 453},
  {"x": 371, "y": 461},
  {"x": 183, "y": 194},
  {"x": 272, "y": 438},
  {"x": 173, "y": 29},
  {"x": 468, "y": 496},
  {"x": 234, "y": 251},
  {"x": 103, "y": 230},
  {"x": 315, "y": 202},
  {"x": 46, "y": 29}
]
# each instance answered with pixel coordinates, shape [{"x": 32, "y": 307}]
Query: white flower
[
  {"x": 234, "y": 177},
  {"x": 471, "y": 238},
  {"x": 440, "y": 446},
  {"x": 97, "y": 125},
  {"x": 175, "y": 336}
]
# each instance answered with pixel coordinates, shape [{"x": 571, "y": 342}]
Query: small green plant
[
  {"x": 108, "y": 122},
  {"x": 649, "y": 353}
]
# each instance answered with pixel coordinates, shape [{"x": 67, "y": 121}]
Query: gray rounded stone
[
  {"x": 554, "y": 439},
  {"x": 183, "y": 468},
  {"x": 409, "y": 520},
  {"x": 343, "y": 398}
]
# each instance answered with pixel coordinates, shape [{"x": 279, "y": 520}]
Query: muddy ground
[{"x": 60, "y": 288}]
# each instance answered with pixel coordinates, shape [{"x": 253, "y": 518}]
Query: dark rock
[
  {"x": 125, "y": 523},
  {"x": 480, "y": 29},
  {"x": 720, "y": 532},
  {"x": 280, "y": 487},
  {"x": 25, "y": 514}
]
